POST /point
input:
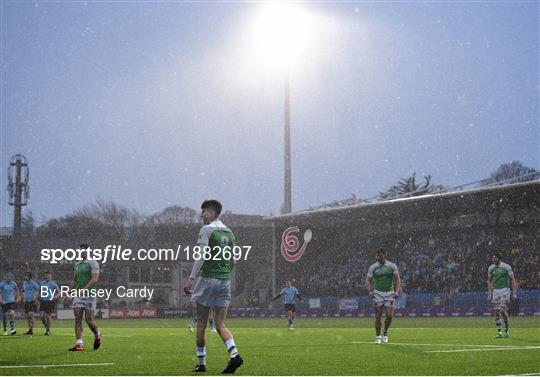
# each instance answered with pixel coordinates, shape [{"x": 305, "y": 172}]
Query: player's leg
[
  {"x": 11, "y": 316},
  {"x": 504, "y": 312},
  {"x": 211, "y": 321},
  {"x": 30, "y": 311},
  {"x": 220, "y": 313},
  {"x": 378, "y": 316},
  {"x": 42, "y": 318},
  {"x": 194, "y": 318},
  {"x": 202, "y": 319},
  {"x": 388, "y": 320},
  {"x": 89, "y": 318},
  {"x": 292, "y": 316},
  {"x": 79, "y": 313},
  {"x": 48, "y": 321},
  {"x": 498, "y": 321},
  {"x": 4, "y": 318},
  {"x": 289, "y": 318}
]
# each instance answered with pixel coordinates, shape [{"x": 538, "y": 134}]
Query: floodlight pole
[{"x": 287, "y": 191}]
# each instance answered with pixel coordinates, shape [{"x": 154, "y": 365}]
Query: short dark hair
[
  {"x": 47, "y": 272},
  {"x": 380, "y": 250},
  {"x": 84, "y": 246},
  {"x": 29, "y": 274},
  {"x": 212, "y": 204}
]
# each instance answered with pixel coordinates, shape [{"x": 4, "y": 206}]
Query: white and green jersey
[
  {"x": 83, "y": 272},
  {"x": 220, "y": 240},
  {"x": 500, "y": 275},
  {"x": 383, "y": 275}
]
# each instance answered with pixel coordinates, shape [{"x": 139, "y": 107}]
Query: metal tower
[{"x": 18, "y": 189}]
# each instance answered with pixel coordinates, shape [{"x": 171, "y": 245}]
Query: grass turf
[{"x": 317, "y": 347}]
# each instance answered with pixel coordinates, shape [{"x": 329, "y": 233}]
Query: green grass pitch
[{"x": 318, "y": 346}]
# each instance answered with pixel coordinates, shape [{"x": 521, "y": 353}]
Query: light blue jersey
[
  {"x": 30, "y": 287},
  {"x": 8, "y": 290},
  {"x": 289, "y": 294},
  {"x": 50, "y": 285}
]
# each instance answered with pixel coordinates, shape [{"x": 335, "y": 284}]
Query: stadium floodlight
[{"x": 281, "y": 35}]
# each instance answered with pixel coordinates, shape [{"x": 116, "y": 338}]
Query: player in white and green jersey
[
  {"x": 383, "y": 284},
  {"x": 213, "y": 267},
  {"x": 500, "y": 279},
  {"x": 84, "y": 280}
]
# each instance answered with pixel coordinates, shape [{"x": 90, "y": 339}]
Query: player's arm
[
  {"x": 57, "y": 295},
  {"x": 37, "y": 295},
  {"x": 513, "y": 284},
  {"x": 92, "y": 281},
  {"x": 18, "y": 295},
  {"x": 202, "y": 241},
  {"x": 369, "y": 285},
  {"x": 489, "y": 287},
  {"x": 95, "y": 275},
  {"x": 278, "y": 296},
  {"x": 397, "y": 285},
  {"x": 369, "y": 281}
]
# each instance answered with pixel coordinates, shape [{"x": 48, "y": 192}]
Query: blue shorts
[{"x": 212, "y": 292}]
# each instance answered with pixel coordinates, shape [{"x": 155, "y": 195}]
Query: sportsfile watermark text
[{"x": 118, "y": 253}]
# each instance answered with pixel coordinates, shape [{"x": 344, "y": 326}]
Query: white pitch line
[
  {"x": 440, "y": 344},
  {"x": 521, "y": 374},
  {"x": 53, "y": 365},
  {"x": 485, "y": 349}
]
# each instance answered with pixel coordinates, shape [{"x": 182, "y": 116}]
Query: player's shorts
[
  {"x": 30, "y": 307},
  {"x": 383, "y": 298},
  {"x": 500, "y": 297},
  {"x": 86, "y": 303},
  {"x": 212, "y": 292},
  {"x": 47, "y": 306},
  {"x": 8, "y": 306},
  {"x": 290, "y": 307}
]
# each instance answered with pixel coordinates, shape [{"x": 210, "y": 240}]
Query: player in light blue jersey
[
  {"x": 31, "y": 299},
  {"x": 289, "y": 294},
  {"x": 9, "y": 292},
  {"x": 48, "y": 300}
]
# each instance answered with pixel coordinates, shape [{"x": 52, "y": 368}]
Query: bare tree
[
  {"x": 508, "y": 171},
  {"x": 174, "y": 215},
  {"x": 408, "y": 186}
]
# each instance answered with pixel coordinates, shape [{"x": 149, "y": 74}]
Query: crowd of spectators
[{"x": 447, "y": 262}]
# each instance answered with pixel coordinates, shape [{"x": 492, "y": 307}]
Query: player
[
  {"x": 10, "y": 291},
  {"x": 383, "y": 284},
  {"x": 500, "y": 278},
  {"x": 47, "y": 301},
  {"x": 85, "y": 278},
  {"x": 289, "y": 294},
  {"x": 194, "y": 321},
  {"x": 31, "y": 299},
  {"x": 213, "y": 288}
]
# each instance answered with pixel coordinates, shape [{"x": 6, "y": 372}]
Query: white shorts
[
  {"x": 383, "y": 298},
  {"x": 86, "y": 303},
  {"x": 500, "y": 297},
  {"x": 212, "y": 292}
]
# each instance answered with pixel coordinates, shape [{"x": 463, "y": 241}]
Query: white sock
[
  {"x": 201, "y": 355},
  {"x": 231, "y": 348},
  {"x": 79, "y": 341}
]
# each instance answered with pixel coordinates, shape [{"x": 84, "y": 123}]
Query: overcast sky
[{"x": 153, "y": 105}]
